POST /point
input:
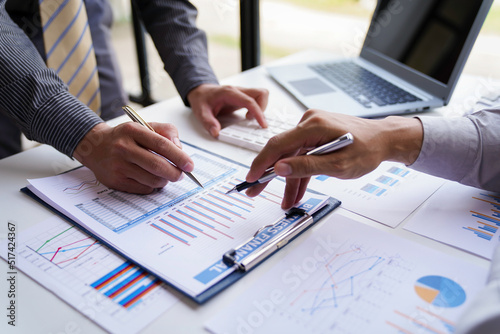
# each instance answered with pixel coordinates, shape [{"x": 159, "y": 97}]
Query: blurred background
[{"x": 287, "y": 26}]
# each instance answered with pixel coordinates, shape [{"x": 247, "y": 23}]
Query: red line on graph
[
  {"x": 187, "y": 225},
  {"x": 418, "y": 322},
  {"x": 306, "y": 291},
  {"x": 218, "y": 214},
  {"x": 139, "y": 296},
  {"x": 435, "y": 315},
  {"x": 213, "y": 228},
  {"x": 178, "y": 229},
  {"x": 67, "y": 246},
  {"x": 220, "y": 200},
  {"x": 236, "y": 199},
  {"x": 126, "y": 286},
  {"x": 57, "y": 251},
  {"x": 333, "y": 259},
  {"x": 115, "y": 276},
  {"x": 398, "y": 327},
  {"x": 229, "y": 211},
  {"x": 215, "y": 221},
  {"x": 76, "y": 257},
  {"x": 267, "y": 192},
  {"x": 216, "y": 230},
  {"x": 170, "y": 235},
  {"x": 75, "y": 242},
  {"x": 270, "y": 200}
]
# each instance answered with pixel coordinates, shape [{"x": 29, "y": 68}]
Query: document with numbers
[{"x": 178, "y": 233}]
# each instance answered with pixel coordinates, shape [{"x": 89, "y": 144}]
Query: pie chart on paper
[{"x": 440, "y": 291}]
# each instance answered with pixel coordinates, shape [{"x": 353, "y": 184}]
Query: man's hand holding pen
[
  {"x": 375, "y": 140},
  {"x": 121, "y": 156}
]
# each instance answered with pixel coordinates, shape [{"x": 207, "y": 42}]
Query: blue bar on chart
[
  {"x": 480, "y": 234},
  {"x": 121, "y": 211},
  {"x": 373, "y": 189},
  {"x": 126, "y": 284},
  {"x": 387, "y": 180},
  {"x": 402, "y": 172},
  {"x": 488, "y": 224}
]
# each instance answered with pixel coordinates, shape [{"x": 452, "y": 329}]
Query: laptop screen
[{"x": 425, "y": 35}]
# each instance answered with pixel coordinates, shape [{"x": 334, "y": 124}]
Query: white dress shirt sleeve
[{"x": 463, "y": 149}]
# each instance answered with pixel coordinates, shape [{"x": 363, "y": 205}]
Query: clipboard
[
  {"x": 208, "y": 286},
  {"x": 329, "y": 206}
]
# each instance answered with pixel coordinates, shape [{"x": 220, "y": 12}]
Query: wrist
[
  {"x": 403, "y": 138},
  {"x": 88, "y": 145},
  {"x": 196, "y": 92}
]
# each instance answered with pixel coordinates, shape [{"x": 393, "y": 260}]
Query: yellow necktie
[{"x": 69, "y": 49}]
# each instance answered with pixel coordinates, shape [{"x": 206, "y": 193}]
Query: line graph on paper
[
  {"x": 80, "y": 259},
  {"x": 81, "y": 187},
  {"x": 340, "y": 283},
  {"x": 89, "y": 276},
  {"x": 62, "y": 247},
  {"x": 344, "y": 288}
]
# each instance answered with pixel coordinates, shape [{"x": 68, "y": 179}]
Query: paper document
[
  {"x": 347, "y": 277},
  {"x": 461, "y": 216},
  {"x": 179, "y": 232},
  {"x": 387, "y": 195},
  {"x": 109, "y": 290}
]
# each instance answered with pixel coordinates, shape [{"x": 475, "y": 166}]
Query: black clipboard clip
[{"x": 229, "y": 258}]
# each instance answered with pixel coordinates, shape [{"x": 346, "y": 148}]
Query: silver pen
[
  {"x": 138, "y": 119},
  {"x": 337, "y": 144}
]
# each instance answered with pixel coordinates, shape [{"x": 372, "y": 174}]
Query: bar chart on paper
[
  {"x": 488, "y": 222},
  {"x": 117, "y": 295},
  {"x": 461, "y": 216},
  {"x": 351, "y": 278},
  {"x": 388, "y": 194},
  {"x": 181, "y": 226},
  {"x": 120, "y": 211}
]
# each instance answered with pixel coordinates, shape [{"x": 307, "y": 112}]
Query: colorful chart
[
  {"x": 117, "y": 295},
  {"x": 488, "y": 221},
  {"x": 440, "y": 291}
]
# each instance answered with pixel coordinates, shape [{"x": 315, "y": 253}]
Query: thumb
[
  {"x": 301, "y": 166},
  {"x": 207, "y": 118}
]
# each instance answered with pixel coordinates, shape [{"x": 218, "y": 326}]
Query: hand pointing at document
[{"x": 393, "y": 138}]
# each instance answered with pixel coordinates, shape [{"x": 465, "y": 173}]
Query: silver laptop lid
[{"x": 425, "y": 42}]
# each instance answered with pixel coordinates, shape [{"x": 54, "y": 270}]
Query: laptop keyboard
[
  {"x": 362, "y": 85},
  {"x": 248, "y": 133}
]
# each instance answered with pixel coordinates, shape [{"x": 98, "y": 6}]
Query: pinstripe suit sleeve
[
  {"x": 181, "y": 45},
  {"x": 34, "y": 96}
]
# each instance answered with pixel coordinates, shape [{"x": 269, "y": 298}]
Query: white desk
[{"x": 39, "y": 311}]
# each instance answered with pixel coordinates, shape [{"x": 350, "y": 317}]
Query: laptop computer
[{"x": 411, "y": 59}]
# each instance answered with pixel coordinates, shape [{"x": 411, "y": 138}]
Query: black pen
[
  {"x": 338, "y": 143},
  {"x": 138, "y": 119}
]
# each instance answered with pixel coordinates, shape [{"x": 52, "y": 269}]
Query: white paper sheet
[
  {"x": 387, "y": 195},
  {"x": 351, "y": 278},
  {"x": 118, "y": 296},
  {"x": 180, "y": 232},
  {"x": 461, "y": 216}
]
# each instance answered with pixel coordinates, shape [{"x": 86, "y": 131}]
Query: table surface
[{"x": 41, "y": 311}]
